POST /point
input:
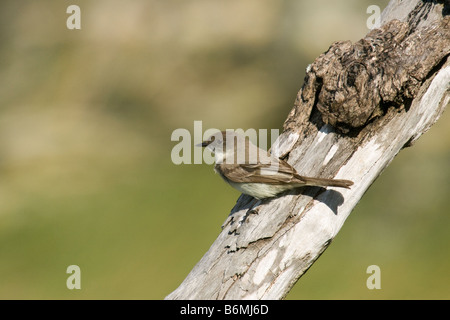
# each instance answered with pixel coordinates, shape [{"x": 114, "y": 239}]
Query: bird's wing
[{"x": 275, "y": 172}]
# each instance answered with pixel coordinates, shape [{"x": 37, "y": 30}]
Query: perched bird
[{"x": 253, "y": 171}]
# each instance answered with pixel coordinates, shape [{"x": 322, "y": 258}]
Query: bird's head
[{"x": 227, "y": 144}]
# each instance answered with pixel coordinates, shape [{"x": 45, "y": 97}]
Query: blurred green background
[{"x": 86, "y": 176}]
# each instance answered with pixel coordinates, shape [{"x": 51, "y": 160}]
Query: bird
[{"x": 253, "y": 171}]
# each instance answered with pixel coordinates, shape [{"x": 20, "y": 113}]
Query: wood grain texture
[{"x": 360, "y": 105}]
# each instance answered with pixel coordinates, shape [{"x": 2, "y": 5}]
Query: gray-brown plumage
[{"x": 252, "y": 171}]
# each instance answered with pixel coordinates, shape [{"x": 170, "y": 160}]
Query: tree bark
[{"x": 360, "y": 105}]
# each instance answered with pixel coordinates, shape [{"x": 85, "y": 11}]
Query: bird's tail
[{"x": 321, "y": 182}]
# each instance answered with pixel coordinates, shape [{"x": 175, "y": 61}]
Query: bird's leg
[
  {"x": 253, "y": 209},
  {"x": 237, "y": 216}
]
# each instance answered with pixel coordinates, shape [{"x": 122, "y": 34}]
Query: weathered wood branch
[{"x": 360, "y": 105}]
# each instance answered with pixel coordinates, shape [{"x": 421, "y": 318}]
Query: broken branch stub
[{"x": 351, "y": 84}]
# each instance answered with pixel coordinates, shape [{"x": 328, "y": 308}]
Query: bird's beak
[{"x": 203, "y": 144}]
